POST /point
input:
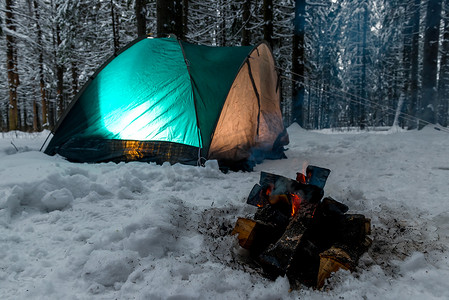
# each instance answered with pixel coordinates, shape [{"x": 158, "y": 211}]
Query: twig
[{"x": 14, "y": 146}]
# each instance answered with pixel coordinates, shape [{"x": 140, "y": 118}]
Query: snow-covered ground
[{"x": 143, "y": 231}]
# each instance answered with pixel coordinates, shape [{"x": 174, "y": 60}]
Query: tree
[
  {"x": 298, "y": 60},
  {"x": 141, "y": 17},
  {"x": 443, "y": 81},
  {"x": 115, "y": 25},
  {"x": 430, "y": 62},
  {"x": 3, "y": 115},
  {"x": 59, "y": 66},
  {"x": 11, "y": 66},
  {"x": 322, "y": 70},
  {"x": 169, "y": 17},
  {"x": 38, "y": 122},
  {"x": 221, "y": 39},
  {"x": 414, "y": 71},
  {"x": 364, "y": 53},
  {"x": 185, "y": 18},
  {"x": 406, "y": 56},
  {"x": 246, "y": 17},
  {"x": 268, "y": 21}
]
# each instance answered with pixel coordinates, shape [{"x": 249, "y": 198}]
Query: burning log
[{"x": 297, "y": 233}]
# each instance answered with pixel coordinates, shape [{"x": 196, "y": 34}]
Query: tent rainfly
[{"x": 162, "y": 99}]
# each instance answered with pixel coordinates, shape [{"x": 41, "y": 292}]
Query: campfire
[{"x": 298, "y": 234}]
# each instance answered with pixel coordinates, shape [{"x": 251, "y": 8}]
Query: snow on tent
[{"x": 161, "y": 99}]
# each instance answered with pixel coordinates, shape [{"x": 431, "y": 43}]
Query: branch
[{"x": 316, "y": 4}]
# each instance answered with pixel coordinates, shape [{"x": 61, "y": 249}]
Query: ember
[
  {"x": 297, "y": 233},
  {"x": 296, "y": 203}
]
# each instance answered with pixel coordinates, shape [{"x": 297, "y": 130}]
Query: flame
[
  {"x": 301, "y": 178},
  {"x": 265, "y": 195},
  {"x": 269, "y": 190},
  {"x": 304, "y": 166},
  {"x": 296, "y": 203}
]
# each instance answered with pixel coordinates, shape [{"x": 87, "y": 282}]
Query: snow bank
[{"x": 143, "y": 231}]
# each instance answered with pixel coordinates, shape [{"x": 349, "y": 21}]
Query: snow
[{"x": 144, "y": 231}]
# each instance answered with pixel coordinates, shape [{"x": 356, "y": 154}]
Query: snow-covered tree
[{"x": 11, "y": 64}]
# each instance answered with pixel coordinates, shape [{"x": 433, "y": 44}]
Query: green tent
[{"x": 161, "y": 99}]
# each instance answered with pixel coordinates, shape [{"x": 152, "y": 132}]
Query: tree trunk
[
  {"x": 41, "y": 71},
  {"x": 430, "y": 62},
  {"x": 11, "y": 67},
  {"x": 169, "y": 17},
  {"x": 22, "y": 111},
  {"x": 74, "y": 69},
  {"x": 185, "y": 18},
  {"x": 407, "y": 57},
  {"x": 398, "y": 110},
  {"x": 413, "y": 104},
  {"x": 222, "y": 9},
  {"x": 115, "y": 31},
  {"x": 59, "y": 74},
  {"x": 1, "y": 115},
  {"x": 363, "y": 93},
  {"x": 443, "y": 83},
  {"x": 268, "y": 21},
  {"x": 246, "y": 15},
  {"x": 141, "y": 20},
  {"x": 298, "y": 61},
  {"x": 36, "y": 123}
]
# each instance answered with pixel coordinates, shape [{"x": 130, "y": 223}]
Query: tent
[{"x": 162, "y": 99}]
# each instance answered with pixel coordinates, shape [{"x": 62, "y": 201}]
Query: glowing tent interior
[{"x": 162, "y": 99}]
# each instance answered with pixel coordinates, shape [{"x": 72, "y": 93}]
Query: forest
[{"x": 342, "y": 63}]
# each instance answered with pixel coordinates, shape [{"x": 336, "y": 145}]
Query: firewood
[
  {"x": 283, "y": 185},
  {"x": 338, "y": 257},
  {"x": 331, "y": 207},
  {"x": 317, "y": 176},
  {"x": 278, "y": 215},
  {"x": 353, "y": 229},
  {"x": 295, "y": 233},
  {"x": 277, "y": 259},
  {"x": 245, "y": 228},
  {"x": 367, "y": 226},
  {"x": 331, "y": 261},
  {"x": 255, "y": 235}
]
